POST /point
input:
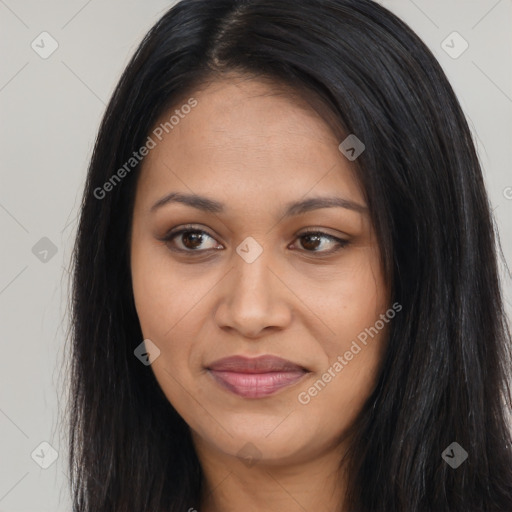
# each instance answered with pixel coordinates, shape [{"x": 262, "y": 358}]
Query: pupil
[
  {"x": 193, "y": 237},
  {"x": 311, "y": 246}
]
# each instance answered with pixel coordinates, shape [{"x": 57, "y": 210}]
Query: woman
[{"x": 286, "y": 293}]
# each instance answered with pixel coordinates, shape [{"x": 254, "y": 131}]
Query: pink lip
[{"x": 255, "y": 377}]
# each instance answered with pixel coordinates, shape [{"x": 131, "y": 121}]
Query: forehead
[{"x": 249, "y": 133}]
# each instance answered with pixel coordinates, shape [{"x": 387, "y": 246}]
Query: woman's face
[{"x": 246, "y": 281}]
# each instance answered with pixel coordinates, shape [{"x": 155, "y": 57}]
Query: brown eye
[
  {"x": 189, "y": 240},
  {"x": 312, "y": 242},
  {"x": 192, "y": 239}
]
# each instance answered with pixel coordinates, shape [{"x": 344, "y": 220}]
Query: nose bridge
[
  {"x": 254, "y": 298},
  {"x": 252, "y": 271}
]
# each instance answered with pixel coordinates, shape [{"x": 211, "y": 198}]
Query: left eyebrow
[
  {"x": 294, "y": 208},
  {"x": 315, "y": 203}
]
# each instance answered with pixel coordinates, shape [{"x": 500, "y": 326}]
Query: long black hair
[{"x": 444, "y": 375}]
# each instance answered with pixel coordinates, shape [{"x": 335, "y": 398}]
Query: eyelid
[{"x": 320, "y": 231}]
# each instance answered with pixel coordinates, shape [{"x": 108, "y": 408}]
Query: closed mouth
[{"x": 255, "y": 377}]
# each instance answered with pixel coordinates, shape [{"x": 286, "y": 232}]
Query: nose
[{"x": 254, "y": 299}]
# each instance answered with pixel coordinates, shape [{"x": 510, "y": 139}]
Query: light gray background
[{"x": 50, "y": 113}]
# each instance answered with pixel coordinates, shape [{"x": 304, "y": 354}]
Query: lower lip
[{"x": 256, "y": 385}]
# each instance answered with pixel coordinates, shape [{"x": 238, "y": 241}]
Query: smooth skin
[{"x": 255, "y": 147}]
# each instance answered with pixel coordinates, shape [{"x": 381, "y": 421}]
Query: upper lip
[{"x": 261, "y": 364}]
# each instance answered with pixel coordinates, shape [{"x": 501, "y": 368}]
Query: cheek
[
  {"x": 353, "y": 300},
  {"x": 168, "y": 304},
  {"x": 166, "y": 316},
  {"x": 353, "y": 354},
  {"x": 338, "y": 392},
  {"x": 161, "y": 298},
  {"x": 162, "y": 306}
]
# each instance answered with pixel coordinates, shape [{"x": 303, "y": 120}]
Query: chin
[{"x": 280, "y": 444}]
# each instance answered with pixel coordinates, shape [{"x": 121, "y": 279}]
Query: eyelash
[{"x": 170, "y": 236}]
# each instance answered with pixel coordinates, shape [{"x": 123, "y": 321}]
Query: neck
[{"x": 232, "y": 484}]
